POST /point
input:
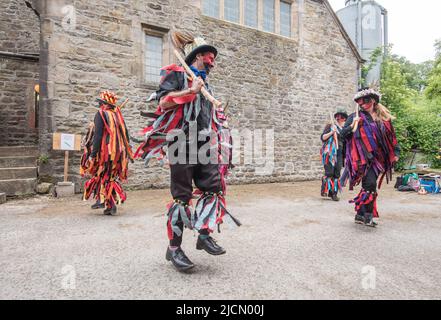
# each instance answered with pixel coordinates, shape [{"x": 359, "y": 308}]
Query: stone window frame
[
  {"x": 159, "y": 32},
  {"x": 291, "y": 18},
  {"x": 238, "y": 10},
  {"x": 260, "y": 3},
  {"x": 256, "y": 17},
  {"x": 269, "y": 25}
]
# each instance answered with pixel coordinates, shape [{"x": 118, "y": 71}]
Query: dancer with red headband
[{"x": 371, "y": 152}]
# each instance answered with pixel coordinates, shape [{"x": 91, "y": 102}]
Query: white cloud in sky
[{"x": 413, "y": 26}]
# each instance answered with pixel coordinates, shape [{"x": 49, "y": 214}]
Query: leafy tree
[
  {"x": 366, "y": 68},
  {"x": 418, "y": 123},
  {"x": 395, "y": 86},
  {"x": 433, "y": 90}
]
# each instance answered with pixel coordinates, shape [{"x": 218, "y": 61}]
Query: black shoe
[
  {"x": 97, "y": 205},
  {"x": 359, "y": 219},
  {"x": 179, "y": 259},
  {"x": 209, "y": 245},
  {"x": 335, "y": 197},
  {"x": 369, "y": 220},
  {"x": 110, "y": 211}
]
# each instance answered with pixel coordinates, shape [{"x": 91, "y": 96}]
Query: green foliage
[
  {"x": 373, "y": 60},
  {"x": 437, "y": 49},
  {"x": 416, "y": 74},
  {"x": 433, "y": 90},
  {"x": 420, "y": 129},
  {"x": 43, "y": 159},
  {"x": 418, "y": 123},
  {"x": 394, "y": 86}
]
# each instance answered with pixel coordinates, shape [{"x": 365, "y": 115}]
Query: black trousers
[
  {"x": 334, "y": 172},
  {"x": 206, "y": 177},
  {"x": 369, "y": 183}
]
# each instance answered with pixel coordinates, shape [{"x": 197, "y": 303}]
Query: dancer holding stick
[
  {"x": 371, "y": 152},
  {"x": 332, "y": 155},
  {"x": 191, "y": 123}
]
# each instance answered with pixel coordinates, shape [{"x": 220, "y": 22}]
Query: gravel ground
[{"x": 292, "y": 245}]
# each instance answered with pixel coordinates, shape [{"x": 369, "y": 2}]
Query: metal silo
[{"x": 366, "y": 24}]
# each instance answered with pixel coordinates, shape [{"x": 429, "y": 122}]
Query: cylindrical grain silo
[{"x": 366, "y": 24}]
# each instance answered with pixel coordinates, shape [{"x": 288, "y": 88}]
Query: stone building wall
[
  {"x": 19, "y": 34},
  {"x": 274, "y": 83}
]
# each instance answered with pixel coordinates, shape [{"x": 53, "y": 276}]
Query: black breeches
[
  {"x": 334, "y": 171},
  {"x": 369, "y": 181},
  {"x": 206, "y": 178}
]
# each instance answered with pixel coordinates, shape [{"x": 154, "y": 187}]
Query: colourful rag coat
[
  {"x": 111, "y": 152},
  {"x": 373, "y": 146},
  {"x": 210, "y": 208}
]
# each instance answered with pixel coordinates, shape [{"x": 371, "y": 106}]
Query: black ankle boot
[
  {"x": 97, "y": 205},
  {"x": 210, "y": 246},
  {"x": 179, "y": 259},
  {"x": 335, "y": 197},
  {"x": 369, "y": 220},
  {"x": 359, "y": 219},
  {"x": 110, "y": 211}
]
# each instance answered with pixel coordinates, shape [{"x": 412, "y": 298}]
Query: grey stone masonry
[
  {"x": 275, "y": 84},
  {"x": 19, "y": 35}
]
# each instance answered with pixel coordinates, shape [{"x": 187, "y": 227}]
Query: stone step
[
  {"x": 18, "y": 187},
  {"x": 19, "y": 151},
  {"x": 18, "y": 161},
  {"x": 18, "y": 173}
]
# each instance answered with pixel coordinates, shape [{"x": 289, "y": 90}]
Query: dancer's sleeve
[
  {"x": 346, "y": 132},
  {"x": 397, "y": 150},
  {"x": 174, "y": 81},
  {"x": 325, "y": 131},
  {"x": 397, "y": 147},
  {"x": 98, "y": 135}
]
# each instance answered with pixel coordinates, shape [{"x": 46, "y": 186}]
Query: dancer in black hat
[
  {"x": 200, "y": 151},
  {"x": 332, "y": 156}
]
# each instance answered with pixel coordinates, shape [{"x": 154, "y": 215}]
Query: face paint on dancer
[
  {"x": 340, "y": 120},
  {"x": 208, "y": 61},
  {"x": 366, "y": 103}
]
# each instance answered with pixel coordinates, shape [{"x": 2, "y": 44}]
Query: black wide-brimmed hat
[
  {"x": 199, "y": 45},
  {"x": 341, "y": 112},
  {"x": 368, "y": 92}
]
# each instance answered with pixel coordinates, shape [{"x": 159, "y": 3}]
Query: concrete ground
[{"x": 292, "y": 245}]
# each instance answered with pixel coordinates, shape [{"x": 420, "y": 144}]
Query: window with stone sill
[
  {"x": 232, "y": 10},
  {"x": 285, "y": 18},
  {"x": 211, "y": 8},
  {"x": 251, "y": 13},
  {"x": 275, "y": 16},
  {"x": 268, "y": 15},
  {"x": 153, "y": 58}
]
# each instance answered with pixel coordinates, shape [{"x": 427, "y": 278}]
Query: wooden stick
[
  {"x": 66, "y": 164},
  {"x": 204, "y": 90},
  {"x": 335, "y": 133},
  {"x": 356, "y": 123},
  {"x": 227, "y": 105},
  {"x": 124, "y": 103}
]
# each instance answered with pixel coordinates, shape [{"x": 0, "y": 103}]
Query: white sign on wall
[{"x": 67, "y": 141}]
